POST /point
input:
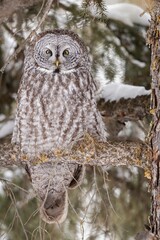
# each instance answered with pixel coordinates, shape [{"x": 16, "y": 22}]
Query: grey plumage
[{"x": 56, "y": 107}]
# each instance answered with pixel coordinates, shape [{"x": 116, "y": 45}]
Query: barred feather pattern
[
  {"x": 56, "y": 110},
  {"x": 55, "y": 206}
]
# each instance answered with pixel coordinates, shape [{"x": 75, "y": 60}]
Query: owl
[{"x": 56, "y": 107}]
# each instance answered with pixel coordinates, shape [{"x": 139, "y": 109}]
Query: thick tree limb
[
  {"x": 136, "y": 108},
  {"x": 88, "y": 152}
]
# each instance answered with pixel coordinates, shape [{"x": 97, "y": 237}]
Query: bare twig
[{"x": 11, "y": 194}]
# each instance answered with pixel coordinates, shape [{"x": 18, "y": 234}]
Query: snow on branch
[
  {"x": 129, "y": 14},
  {"x": 116, "y": 91}
]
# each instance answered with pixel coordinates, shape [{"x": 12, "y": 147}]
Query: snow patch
[
  {"x": 128, "y": 13},
  {"x": 116, "y": 91},
  {"x": 69, "y": 2},
  {"x": 138, "y": 63},
  {"x": 8, "y": 45},
  {"x": 2, "y": 192},
  {"x": 8, "y": 174},
  {"x": 132, "y": 130},
  {"x": 110, "y": 56},
  {"x": 117, "y": 192},
  {"x": 6, "y": 128},
  {"x": 2, "y": 117}
]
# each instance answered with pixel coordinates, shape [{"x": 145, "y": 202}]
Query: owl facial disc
[{"x": 59, "y": 53}]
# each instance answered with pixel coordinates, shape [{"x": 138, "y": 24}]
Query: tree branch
[
  {"x": 88, "y": 151},
  {"x": 137, "y": 108}
]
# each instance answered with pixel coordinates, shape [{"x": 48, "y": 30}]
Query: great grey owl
[{"x": 56, "y": 107}]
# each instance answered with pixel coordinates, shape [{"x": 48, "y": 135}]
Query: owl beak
[{"x": 57, "y": 63}]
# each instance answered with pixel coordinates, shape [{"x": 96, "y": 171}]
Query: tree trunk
[{"x": 154, "y": 41}]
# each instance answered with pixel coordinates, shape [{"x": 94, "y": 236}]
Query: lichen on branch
[{"x": 87, "y": 151}]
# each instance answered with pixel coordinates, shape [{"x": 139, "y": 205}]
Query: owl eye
[
  {"x": 49, "y": 52},
  {"x": 65, "y": 53}
]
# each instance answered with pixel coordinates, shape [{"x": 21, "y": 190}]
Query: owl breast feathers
[{"x": 56, "y": 103}]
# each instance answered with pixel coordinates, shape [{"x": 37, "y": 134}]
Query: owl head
[{"x": 60, "y": 51}]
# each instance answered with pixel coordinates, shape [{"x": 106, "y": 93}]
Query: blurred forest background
[{"x": 112, "y": 203}]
